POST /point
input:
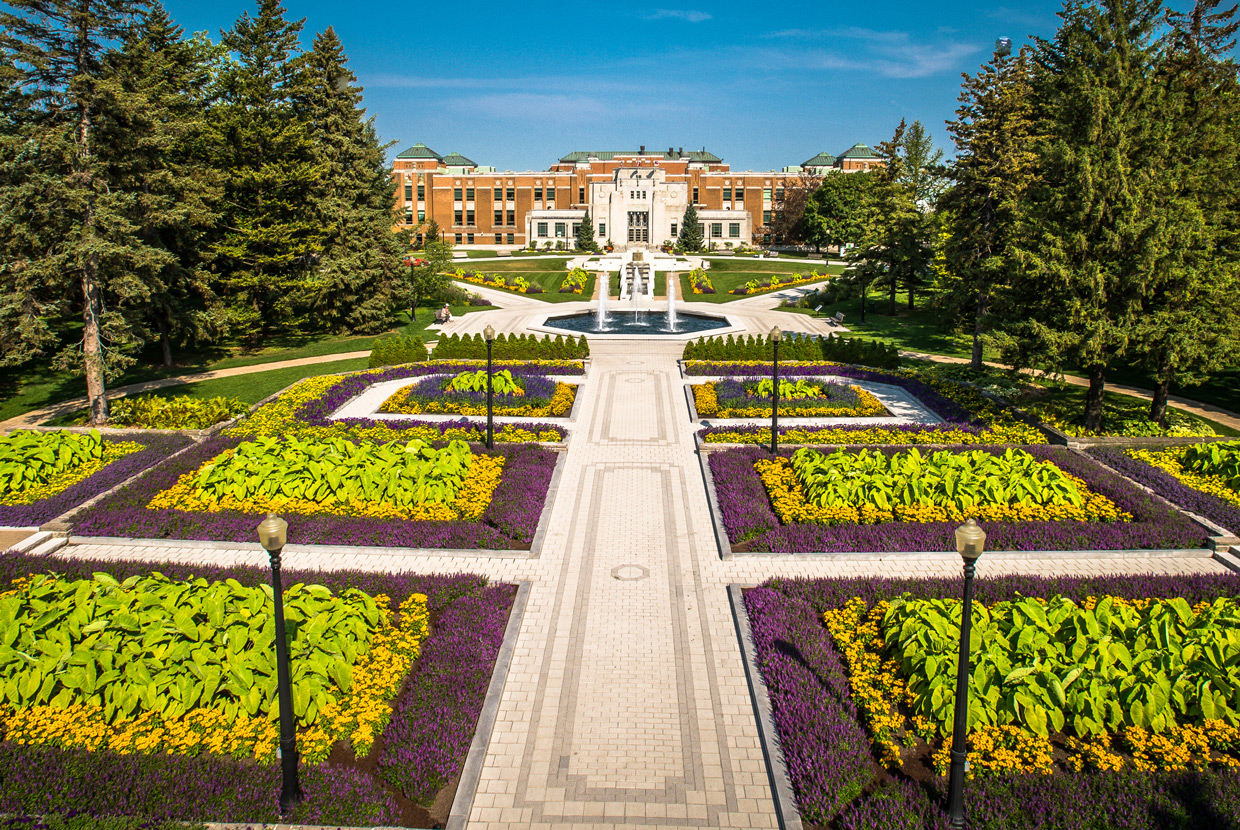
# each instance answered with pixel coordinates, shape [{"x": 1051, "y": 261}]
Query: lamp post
[
  {"x": 272, "y": 533},
  {"x": 970, "y": 539},
  {"x": 776, "y": 336},
  {"x": 489, "y": 334}
]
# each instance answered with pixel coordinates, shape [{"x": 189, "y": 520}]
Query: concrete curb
[
  {"x": 471, "y": 772},
  {"x": 712, "y": 498},
  {"x": 776, "y": 768}
]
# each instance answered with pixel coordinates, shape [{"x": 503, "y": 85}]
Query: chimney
[
  {"x": 642, "y": 151},
  {"x": 669, "y": 151},
  {"x": 681, "y": 151}
]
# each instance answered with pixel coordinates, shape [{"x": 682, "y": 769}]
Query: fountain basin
[{"x": 627, "y": 323}]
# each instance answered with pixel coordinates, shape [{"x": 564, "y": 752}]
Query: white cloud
[
  {"x": 687, "y": 15},
  {"x": 892, "y": 54}
]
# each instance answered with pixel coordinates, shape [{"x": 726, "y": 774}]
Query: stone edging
[
  {"x": 716, "y": 515},
  {"x": 777, "y": 769}
]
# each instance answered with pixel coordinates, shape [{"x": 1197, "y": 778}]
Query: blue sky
[{"x": 517, "y": 85}]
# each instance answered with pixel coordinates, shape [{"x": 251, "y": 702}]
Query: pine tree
[
  {"x": 79, "y": 225},
  {"x": 585, "y": 234},
  {"x": 267, "y": 255},
  {"x": 1092, "y": 247},
  {"x": 358, "y": 280},
  {"x": 690, "y": 236},
  {"x": 994, "y": 168}
]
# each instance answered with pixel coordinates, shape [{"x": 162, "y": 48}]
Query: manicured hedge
[
  {"x": 795, "y": 346},
  {"x": 393, "y": 351},
  {"x": 751, "y": 523},
  {"x": 441, "y": 704},
  {"x": 834, "y": 784},
  {"x": 513, "y": 347}
]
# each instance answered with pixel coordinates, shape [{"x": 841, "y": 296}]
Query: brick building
[{"x": 635, "y": 198}]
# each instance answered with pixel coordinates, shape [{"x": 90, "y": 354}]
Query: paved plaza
[{"x": 626, "y": 703}]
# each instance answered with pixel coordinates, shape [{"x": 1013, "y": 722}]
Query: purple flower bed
[
  {"x": 817, "y": 724},
  {"x": 1170, "y": 488},
  {"x": 157, "y": 447},
  {"x": 469, "y": 617},
  {"x": 920, "y": 429},
  {"x": 752, "y": 525},
  {"x": 509, "y": 522},
  {"x": 537, "y": 391}
]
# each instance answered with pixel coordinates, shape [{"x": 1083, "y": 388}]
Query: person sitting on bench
[{"x": 444, "y": 314}]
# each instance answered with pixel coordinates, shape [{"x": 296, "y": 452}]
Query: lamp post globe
[
  {"x": 1003, "y": 47},
  {"x": 272, "y": 535},
  {"x": 970, "y": 541},
  {"x": 776, "y": 336},
  {"x": 488, "y": 334}
]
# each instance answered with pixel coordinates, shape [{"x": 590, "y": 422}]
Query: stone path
[{"x": 626, "y": 702}]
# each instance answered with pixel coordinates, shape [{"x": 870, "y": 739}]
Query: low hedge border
[
  {"x": 509, "y": 523},
  {"x": 750, "y": 523},
  {"x": 422, "y": 750},
  {"x": 837, "y": 783}
]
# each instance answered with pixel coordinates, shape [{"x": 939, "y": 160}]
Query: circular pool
[{"x": 644, "y": 323}]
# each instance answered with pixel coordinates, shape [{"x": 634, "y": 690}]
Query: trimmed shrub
[{"x": 393, "y": 351}]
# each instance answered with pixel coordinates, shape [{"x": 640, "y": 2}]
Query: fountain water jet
[
  {"x": 672, "y": 279},
  {"x": 600, "y": 315}
]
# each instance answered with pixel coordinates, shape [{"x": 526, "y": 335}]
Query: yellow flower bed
[
  {"x": 706, "y": 400},
  {"x": 471, "y": 500},
  {"x": 1170, "y": 461},
  {"x": 276, "y": 417},
  {"x": 560, "y": 404},
  {"x": 879, "y": 692},
  {"x": 63, "y": 481},
  {"x": 359, "y": 715},
  {"x": 791, "y": 505}
]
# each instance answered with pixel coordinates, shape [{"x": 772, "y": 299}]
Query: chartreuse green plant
[
  {"x": 30, "y": 459},
  {"x": 1056, "y": 666},
  {"x": 1216, "y": 459},
  {"x": 788, "y": 389},
  {"x": 180, "y": 412},
  {"x": 502, "y": 382}
]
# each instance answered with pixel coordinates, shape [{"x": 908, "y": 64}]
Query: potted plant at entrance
[
  {"x": 609, "y": 247},
  {"x": 667, "y": 246}
]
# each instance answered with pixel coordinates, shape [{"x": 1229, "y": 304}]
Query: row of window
[
  {"x": 716, "y": 229},
  {"x": 563, "y": 228}
]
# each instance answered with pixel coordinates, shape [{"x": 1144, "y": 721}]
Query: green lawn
[
  {"x": 918, "y": 330},
  {"x": 727, "y": 275},
  {"x": 542, "y": 274},
  {"x": 1074, "y": 398}
]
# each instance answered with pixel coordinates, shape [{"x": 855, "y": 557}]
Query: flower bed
[
  {"x": 752, "y": 524},
  {"x": 777, "y": 281},
  {"x": 1139, "y": 466},
  {"x": 574, "y": 281},
  {"x": 534, "y": 396},
  {"x": 508, "y": 522},
  {"x": 423, "y": 732},
  {"x": 700, "y": 282},
  {"x": 752, "y": 399},
  {"x": 1128, "y": 418},
  {"x": 970, "y": 418},
  {"x": 506, "y": 282},
  {"x": 121, "y": 459},
  {"x": 852, "y": 755}
]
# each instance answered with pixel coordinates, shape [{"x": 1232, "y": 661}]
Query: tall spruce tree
[
  {"x": 272, "y": 241},
  {"x": 994, "y": 167},
  {"x": 585, "y": 234},
  {"x": 359, "y": 281},
  {"x": 1186, "y": 327},
  {"x": 690, "y": 233},
  {"x": 75, "y": 244},
  {"x": 1091, "y": 247},
  {"x": 155, "y": 128}
]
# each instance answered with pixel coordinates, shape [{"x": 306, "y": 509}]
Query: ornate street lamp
[
  {"x": 776, "y": 336},
  {"x": 970, "y": 540},
  {"x": 489, "y": 334},
  {"x": 272, "y": 534},
  {"x": 1003, "y": 47}
]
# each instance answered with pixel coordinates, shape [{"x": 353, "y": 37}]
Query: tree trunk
[
  {"x": 910, "y": 297},
  {"x": 976, "y": 362},
  {"x": 92, "y": 340},
  {"x": 165, "y": 343},
  {"x": 891, "y": 310},
  {"x": 1162, "y": 391},
  {"x": 865, "y": 289},
  {"x": 1093, "y": 398}
]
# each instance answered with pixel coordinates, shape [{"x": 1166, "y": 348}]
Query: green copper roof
[
  {"x": 823, "y": 159},
  {"x": 457, "y": 160},
  {"x": 860, "y": 151},
  {"x": 419, "y": 151},
  {"x": 610, "y": 155}
]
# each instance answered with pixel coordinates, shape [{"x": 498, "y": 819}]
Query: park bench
[
  {"x": 836, "y": 319},
  {"x": 503, "y": 253}
]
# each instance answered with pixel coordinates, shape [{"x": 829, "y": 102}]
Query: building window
[
  {"x": 766, "y": 239},
  {"x": 639, "y": 226},
  {"x": 602, "y": 229},
  {"x": 469, "y": 239},
  {"x": 695, "y": 195},
  {"x": 766, "y": 217},
  {"x": 542, "y": 229},
  {"x": 576, "y": 227},
  {"x": 766, "y": 194},
  {"x": 408, "y": 216},
  {"x": 456, "y": 217},
  {"x": 408, "y": 193},
  {"x": 734, "y": 230},
  {"x": 499, "y": 217},
  {"x": 499, "y": 239},
  {"x": 512, "y": 239},
  {"x": 512, "y": 217},
  {"x": 581, "y": 194},
  {"x": 421, "y": 216},
  {"x": 419, "y": 239},
  {"x": 674, "y": 234},
  {"x": 469, "y": 194},
  {"x": 421, "y": 193},
  {"x": 779, "y": 194},
  {"x": 469, "y": 217},
  {"x": 458, "y": 239},
  {"x": 512, "y": 194},
  {"x": 456, "y": 193},
  {"x": 559, "y": 230},
  {"x": 538, "y": 193},
  {"x": 716, "y": 229},
  {"x": 727, "y": 194},
  {"x": 550, "y": 194}
]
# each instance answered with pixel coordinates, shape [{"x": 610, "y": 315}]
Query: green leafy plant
[
  {"x": 180, "y": 412},
  {"x": 502, "y": 382},
  {"x": 155, "y": 644},
  {"x": 1217, "y": 459},
  {"x": 29, "y": 459},
  {"x": 788, "y": 390}
]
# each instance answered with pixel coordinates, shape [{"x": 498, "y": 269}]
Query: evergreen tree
[
  {"x": 1092, "y": 245},
  {"x": 690, "y": 236},
  {"x": 68, "y": 219},
  {"x": 359, "y": 276},
  {"x": 156, "y": 151},
  {"x": 272, "y": 243},
  {"x": 995, "y": 166},
  {"x": 585, "y": 234}
]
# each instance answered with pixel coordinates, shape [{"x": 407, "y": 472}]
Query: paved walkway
[{"x": 626, "y": 702}]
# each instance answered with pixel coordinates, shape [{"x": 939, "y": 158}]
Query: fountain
[
  {"x": 672, "y": 279},
  {"x": 600, "y": 314}
]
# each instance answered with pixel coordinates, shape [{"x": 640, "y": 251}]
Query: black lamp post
[
  {"x": 776, "y": 336},
  {"x": 970, "y": 539},
  {"x": 489, "y": 334},
  {"x": 272, "y": 534}
]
